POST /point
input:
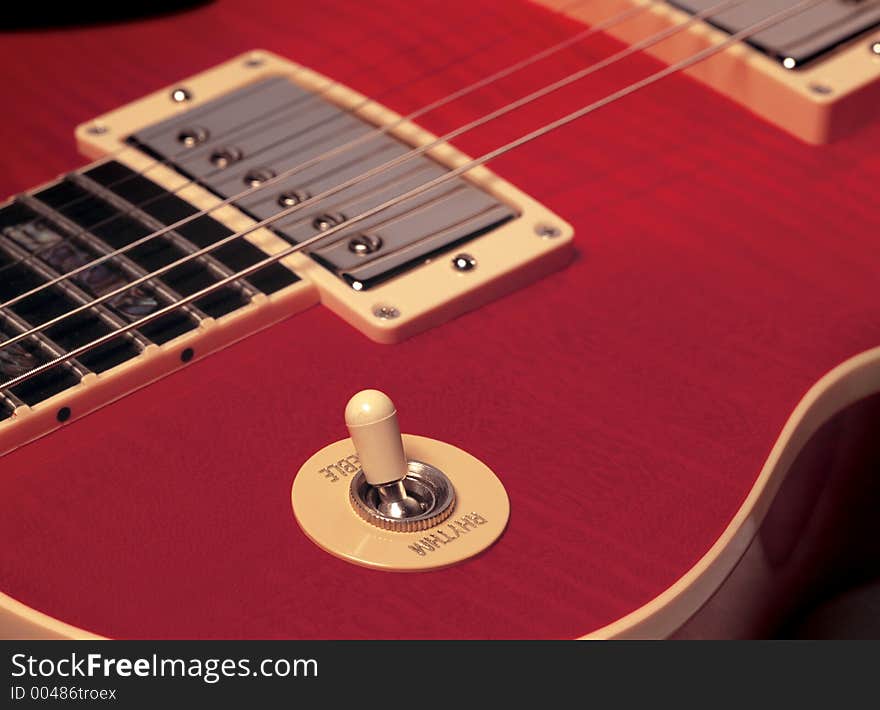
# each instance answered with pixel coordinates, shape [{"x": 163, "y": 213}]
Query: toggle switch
[
  {"x": 371, "y": 418},
  {"x": 390, "y": 491},
  {"x": 396, "y": 502}
]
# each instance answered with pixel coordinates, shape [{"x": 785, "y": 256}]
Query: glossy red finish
[{"x": 627, "y": 403}]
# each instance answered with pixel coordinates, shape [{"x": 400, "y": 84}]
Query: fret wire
[
  {"x": 47, "y": 345},
  {"x": 421, "y": 150},
  {"x": 460, "y": 170},
  {"x": 12, "y": 402},
  {"x": 213, "y": 265},
  {"x": 127, "y": 266},
  {"x": 507, "y": 71},
  {"x": 73, "y": 292}
]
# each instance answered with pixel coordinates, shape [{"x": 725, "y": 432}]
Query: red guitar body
[{"x": 628, "y": 403}]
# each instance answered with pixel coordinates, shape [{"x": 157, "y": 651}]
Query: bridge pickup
[
  {"x": 799, "y": 39},
  {"x": 813, "y": 75}
]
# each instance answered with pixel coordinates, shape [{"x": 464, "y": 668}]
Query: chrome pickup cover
[{"x": 265, "y": 129}]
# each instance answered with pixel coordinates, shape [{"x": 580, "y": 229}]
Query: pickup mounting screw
[
  {"x": 181, "y": 95},
  {"x": 384, "y": 312},
  {"x": 547, "y": 231},
  {"x": 464, "y": 262}
]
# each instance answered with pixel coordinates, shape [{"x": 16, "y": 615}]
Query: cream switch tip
[{"x": 371, "y": 419}]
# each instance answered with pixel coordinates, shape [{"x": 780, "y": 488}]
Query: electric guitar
[{"x": 615, "y": 262}]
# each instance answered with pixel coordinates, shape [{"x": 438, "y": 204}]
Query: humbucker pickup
[
  {"x": 254, "y": 134},
  {"x": 240, "y": 197}
]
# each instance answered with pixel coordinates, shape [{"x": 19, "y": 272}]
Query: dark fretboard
[{"x": 76, "y": 221}]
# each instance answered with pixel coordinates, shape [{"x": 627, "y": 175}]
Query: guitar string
[
  {"x": 366, "y": 138},
  {"x": 456, "y": 172},
  {"x": 576, "y": 76}
]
